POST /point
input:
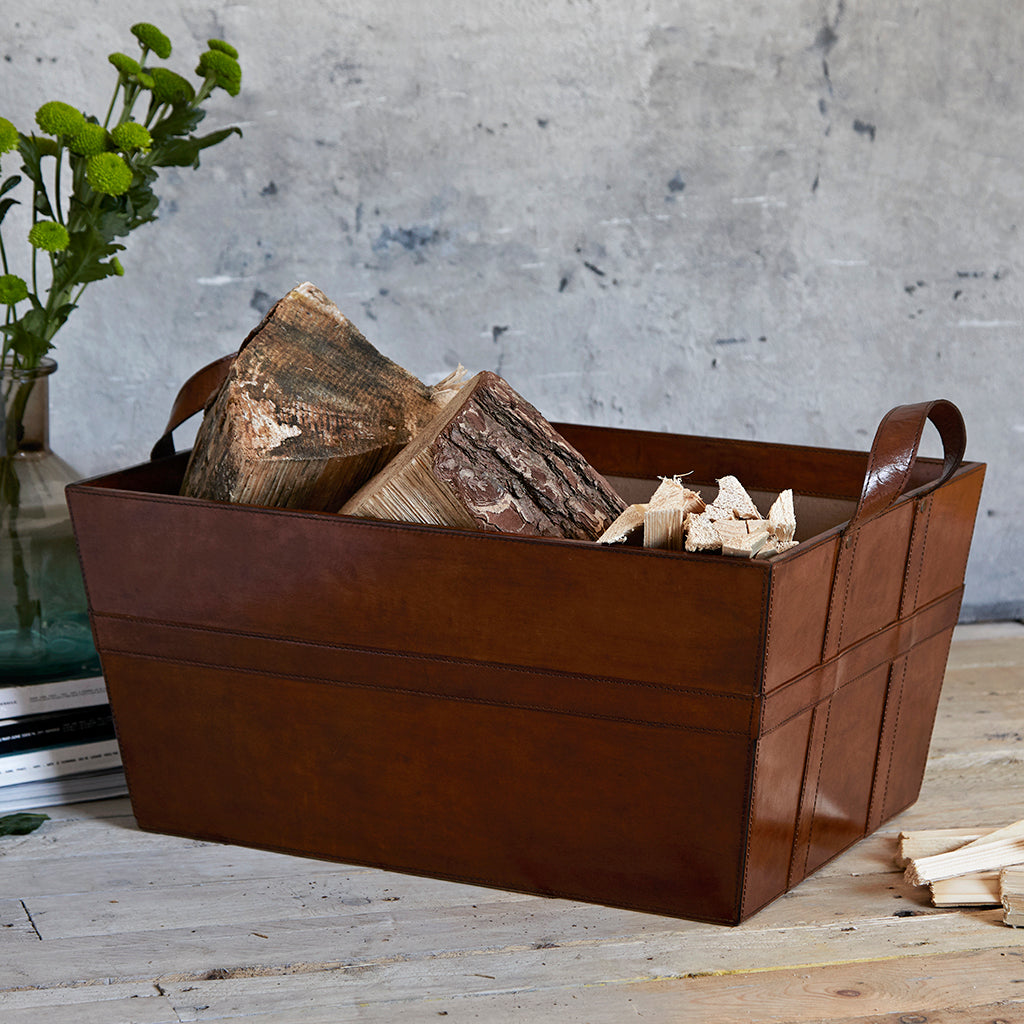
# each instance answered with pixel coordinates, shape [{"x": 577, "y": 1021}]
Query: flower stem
[{"x": 113, "y": 100}]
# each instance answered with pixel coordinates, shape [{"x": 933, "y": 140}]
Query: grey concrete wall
[{"x": 771, "y": 220}]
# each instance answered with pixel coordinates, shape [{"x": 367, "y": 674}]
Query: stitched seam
[
  {"x": 846, "y": 557},
  {"x": 817, "y": 785},
  {"x": 915, "y": 560},
  {"x": 175, "y": 501},
  {"x": 431, "y": 694},
  {"x": 854, "y": 679},
  {"x": 802, "y": 802},
  {"x": 885, "y": 748},
  {"x": 846, "y": 589},
  {"x": 924, "y": 543},
  {"x": 441, "y": 659},
  {"x": 895, "y": 730},
  {"x": 754, "y": 754}
]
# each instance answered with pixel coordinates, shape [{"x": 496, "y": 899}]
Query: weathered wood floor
[{"x": 104, "y": 924}]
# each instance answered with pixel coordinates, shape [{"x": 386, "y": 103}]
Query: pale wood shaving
[
  {"x": 781, "y": 517},
  {"x": 701, "y": 534},
  {"x": 733, "y": 500},
  {"x": 630, "y": 519}
]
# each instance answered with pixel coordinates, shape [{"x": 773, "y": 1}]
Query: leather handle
[
  {"x": 192, "y": 398},
  {"x": 894, "y": 450}
]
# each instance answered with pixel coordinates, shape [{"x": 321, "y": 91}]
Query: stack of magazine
[{"x": 57, "y": 744}]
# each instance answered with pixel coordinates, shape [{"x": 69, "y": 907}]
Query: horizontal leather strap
[{"x": 884, "y": 646}]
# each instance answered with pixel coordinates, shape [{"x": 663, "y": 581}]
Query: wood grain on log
[
  {"x": 491, "y": 462},
  {"x": 309, "y": 411}
]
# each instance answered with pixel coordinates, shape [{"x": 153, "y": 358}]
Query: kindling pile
[
  {"x": 311, "y": 416},
  {"x": 678, "y": 519},
  {"x": 968, "y": 867}
]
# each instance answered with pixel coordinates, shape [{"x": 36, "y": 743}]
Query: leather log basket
[{"x": 683, "y": 734}]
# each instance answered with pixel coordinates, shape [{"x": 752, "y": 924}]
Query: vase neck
[{"x": 26, "y": 407}]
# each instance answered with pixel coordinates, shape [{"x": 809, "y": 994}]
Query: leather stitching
[
  {"x": 817, "y": 784},
  {"x": 441, "y": 659},
  {"x": 853, "y": 679},
  {"x": 844, "y": 576},
  {"x": 431, "y": 694},
  {"x": 924, "y": 543},
  {"x": 886, "y": 736},
  {"x": 754, "y": 750},
  {"x": 895, "y": 731}
]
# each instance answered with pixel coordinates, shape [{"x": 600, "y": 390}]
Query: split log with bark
[{"x": 490, "y": 461}]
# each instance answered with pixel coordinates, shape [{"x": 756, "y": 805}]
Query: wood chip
[
  {"x": 701, "y": 534},
  {"x": 733, "y": 501},
  {"x": 782, "y": 518},
  {"x": 632, "y": 518}
]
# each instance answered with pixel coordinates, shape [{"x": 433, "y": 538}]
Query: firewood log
[
  {"x": 308, "y": 413},
  {"x": 489, "y": 461}
]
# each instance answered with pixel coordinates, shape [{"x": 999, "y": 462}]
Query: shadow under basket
[{"x": 683, "y": 734}]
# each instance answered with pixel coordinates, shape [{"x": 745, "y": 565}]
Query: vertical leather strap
[
  {"x": 841, "y": 579},
  {"x": 887, "y": 742},
  {"x": 886, "y": 478},
  {"x": 809, "y": 792},
  {"x": 915, "y": 556}
]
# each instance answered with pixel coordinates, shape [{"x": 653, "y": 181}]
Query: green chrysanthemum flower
[
  {"x": 170, "y": 87},
  {"x": 89, "y": 140},
  {"x": 8, "y": 136},
  {"x": 12, "y": 289},
  {"x": 118, "y": 269},
  {"x": 152, "y": 38},
  {"x": 223, "y": 68},
  {"x": 49, "y": 235},
  {"x": 125, "y": 64},
  {"x": 219, "y": 44},
  {"x": 131, "y": 136},
  {"x": 108, "y": 174},
  {"x": 145, "y": 79},
  {"x": 56, "y": 118}
]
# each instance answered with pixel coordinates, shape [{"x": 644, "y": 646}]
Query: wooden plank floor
[{"x": 103, "y": 924}]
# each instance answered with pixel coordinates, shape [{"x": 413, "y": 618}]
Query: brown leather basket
[{"x": 685, "y": 734}]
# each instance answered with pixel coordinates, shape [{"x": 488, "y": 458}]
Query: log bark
[
  {"x": 309, "y": 411},
  {"x": 491, "y": 462}
]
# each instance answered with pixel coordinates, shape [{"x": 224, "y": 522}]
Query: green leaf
[
  {"x": 21, "y": 824},
  {"x": 5, "y": 206},
  {"x": 41, "y": 204},
  {"x": 180, "y": 121},
  {"x": 94, "y": 271},
  {"x": 185, "y": 152},
  {"x": 10, "y": 183}
]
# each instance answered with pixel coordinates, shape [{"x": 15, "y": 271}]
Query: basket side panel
[
  {"x": 946, "y": 544},
  {"x": 801, "y": 585},
  {"x": 917, "y": 682},
  {"x": 660, "y": 617},
  {"x": 867, "y": 597},
  {"x": 846, "y": 773},
  {"x": 778, "y": 781},
  {"x": 610, "y": 811}
]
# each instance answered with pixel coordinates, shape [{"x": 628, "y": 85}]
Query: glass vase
[{"x": 44, "y": 621}]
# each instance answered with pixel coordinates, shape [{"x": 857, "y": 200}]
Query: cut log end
[
  {"x": 490, "y": 461},
  {"x": 308, "y": 412}
]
